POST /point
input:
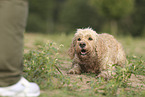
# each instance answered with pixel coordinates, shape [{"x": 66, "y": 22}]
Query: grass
[{"x": 46, "y": 63}]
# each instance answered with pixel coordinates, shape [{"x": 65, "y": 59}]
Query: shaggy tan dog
[{"x": 95, "y": 53}]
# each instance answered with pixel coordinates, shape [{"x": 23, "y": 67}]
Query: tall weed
[{"x": 41, "y": 66}]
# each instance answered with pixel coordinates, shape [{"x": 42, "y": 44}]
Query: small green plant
[
  {"x": 120, "y": 81},
  {"x": 41, "y": 66},
  {"x": 137, "y": 65}
]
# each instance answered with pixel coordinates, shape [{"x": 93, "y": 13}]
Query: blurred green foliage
[
  {"x": 112, "y": 16},
  {"x": 113, "y": 10}
]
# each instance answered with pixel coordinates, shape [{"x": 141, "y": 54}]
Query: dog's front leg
[
  {"x": 75, "y": 70},
  {"x": 107, "y": 73}
]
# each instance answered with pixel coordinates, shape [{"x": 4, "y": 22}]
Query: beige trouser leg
[{"x": 13, "y": 14}]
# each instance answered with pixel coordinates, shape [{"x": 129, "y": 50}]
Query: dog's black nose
[{"x": 82, "y": 44}]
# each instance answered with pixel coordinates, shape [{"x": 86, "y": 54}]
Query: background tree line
[{"x": 124, "y": 17}]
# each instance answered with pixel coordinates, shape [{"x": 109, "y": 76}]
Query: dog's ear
[
  {"x": 100, "y": 47},
  {"x": 71, "y": 51}
]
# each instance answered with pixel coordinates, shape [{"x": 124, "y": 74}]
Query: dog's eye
[
  {"x": 90, "y": 38},
  {"x": 79, "y": 39}
]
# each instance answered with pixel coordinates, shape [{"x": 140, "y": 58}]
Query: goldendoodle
[{"x": 95, "y": 53}]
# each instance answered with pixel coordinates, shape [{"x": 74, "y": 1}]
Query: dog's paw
[
  {"x": 74, "y": 71},
  {"x": 104, "y": 74}
]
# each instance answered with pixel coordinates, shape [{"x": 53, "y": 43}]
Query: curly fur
[{"x": 95, "y": 53}]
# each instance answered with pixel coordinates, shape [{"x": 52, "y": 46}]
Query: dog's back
[{"x": 115, "y": 52}]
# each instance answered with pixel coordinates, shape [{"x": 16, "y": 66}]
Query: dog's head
[{"x": 84, "y": 43}]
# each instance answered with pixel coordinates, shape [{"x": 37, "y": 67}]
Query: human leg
[{"x": 13, "y": 14}]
